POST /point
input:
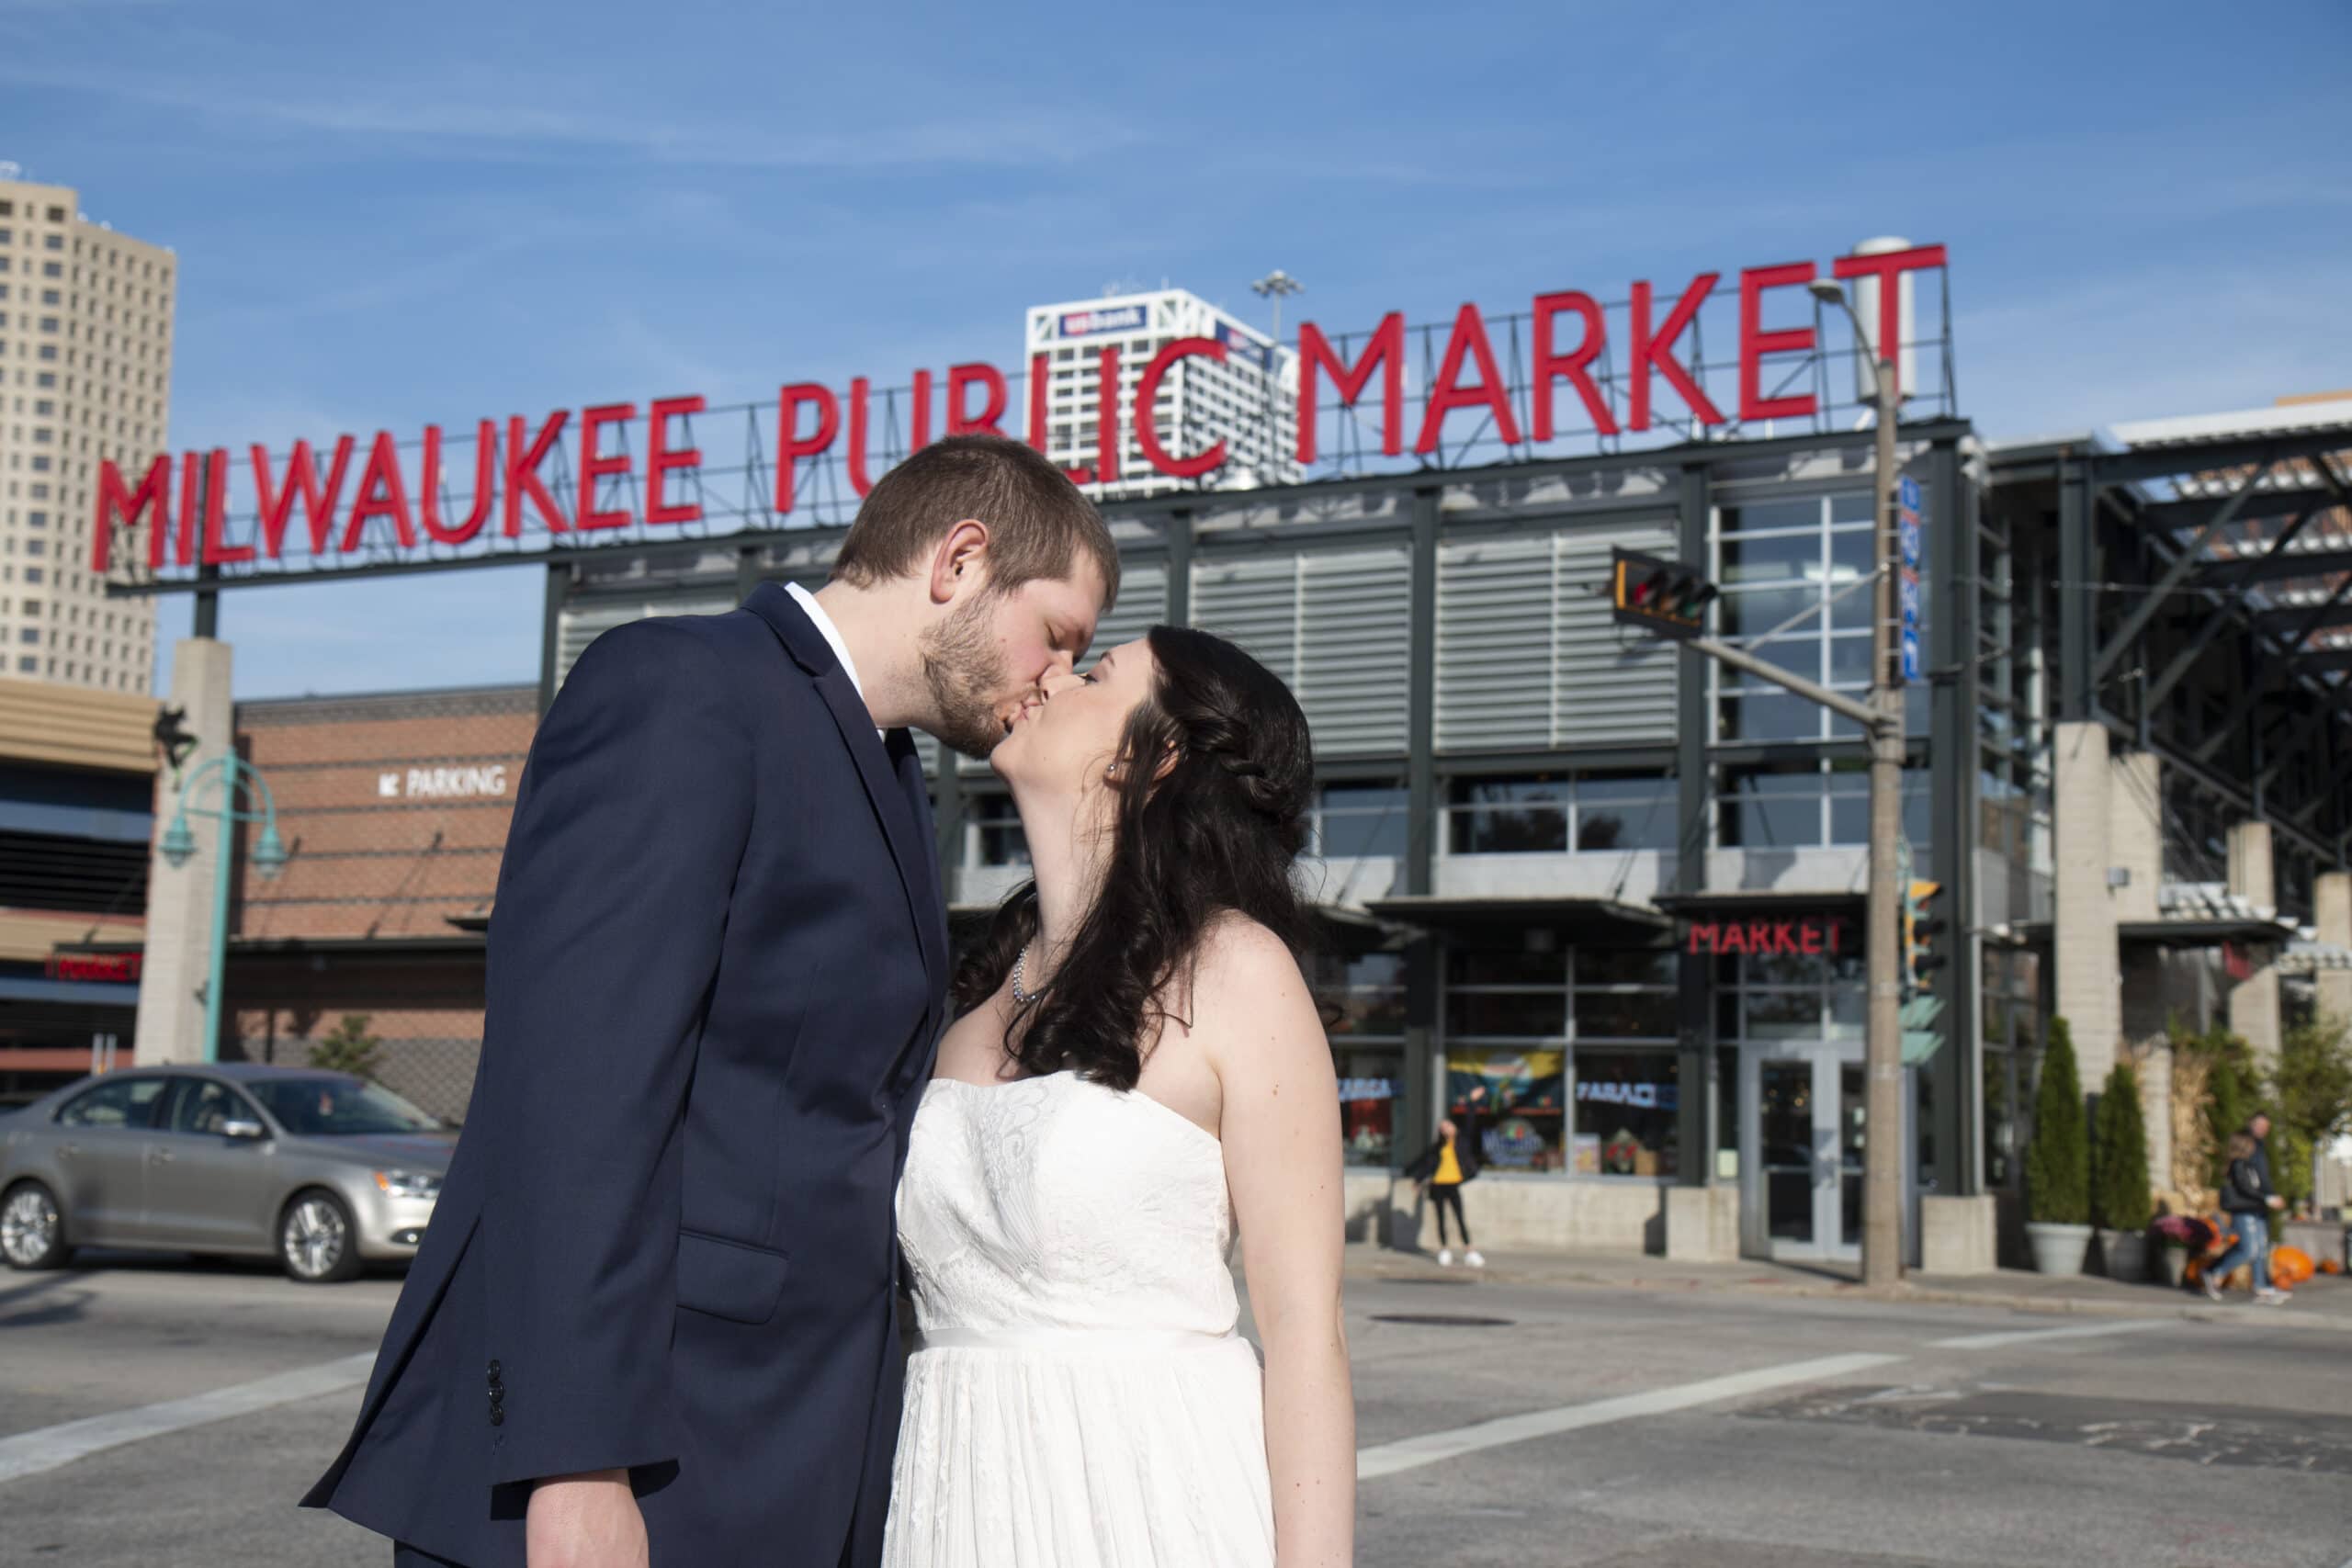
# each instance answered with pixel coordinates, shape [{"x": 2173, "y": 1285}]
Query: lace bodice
[{"x": 1056, "y": 1202}]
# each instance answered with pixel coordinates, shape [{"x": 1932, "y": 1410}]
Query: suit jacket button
[
  {"x": 493, "y": 1371},
  {"x": 498, "y": 1417}
]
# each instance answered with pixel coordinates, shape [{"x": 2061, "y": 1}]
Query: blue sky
[{"x": 391, "y": 214}]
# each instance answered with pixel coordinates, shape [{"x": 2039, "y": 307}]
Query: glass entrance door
[{"x": 1802, "y": 1145}]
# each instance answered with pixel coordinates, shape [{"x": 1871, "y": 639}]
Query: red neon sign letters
[{"x": 342, "y": 498}]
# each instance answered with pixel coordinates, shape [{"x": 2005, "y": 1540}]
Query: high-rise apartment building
[
  {"x": 1246, "y": 399},
  {"x": 85, "y": 367}
]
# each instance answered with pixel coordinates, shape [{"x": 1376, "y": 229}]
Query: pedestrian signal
[
  {"x": 1657, "y": 595},
  {"x": 1923, "y": 930}
]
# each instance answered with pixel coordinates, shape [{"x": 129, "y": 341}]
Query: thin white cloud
[{"x": 431, "y": 114}]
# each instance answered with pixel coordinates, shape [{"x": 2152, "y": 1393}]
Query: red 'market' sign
[
  {"x": 1807, "y": 936},
  {"x": 330, "y": 504}
]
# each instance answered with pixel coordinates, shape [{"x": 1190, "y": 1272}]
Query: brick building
[{"x": 395, "y": 809}]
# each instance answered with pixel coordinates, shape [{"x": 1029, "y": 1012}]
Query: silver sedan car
[{"x": 321, "y": 1170}]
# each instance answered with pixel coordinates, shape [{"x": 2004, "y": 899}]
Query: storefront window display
[
  {"x": 1365, "y": 998},
  {"x": 1576, "y": 1050}
]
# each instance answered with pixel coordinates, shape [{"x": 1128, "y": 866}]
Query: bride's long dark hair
[{"x": 1215, "y": 777}]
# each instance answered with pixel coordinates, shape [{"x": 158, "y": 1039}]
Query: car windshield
[{"x": 312, "y": 1108}]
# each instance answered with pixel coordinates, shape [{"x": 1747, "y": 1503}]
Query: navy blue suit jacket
[{"x": 717, "y": 976}]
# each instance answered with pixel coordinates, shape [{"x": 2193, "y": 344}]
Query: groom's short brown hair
[{"x": 1037, "y": 521}]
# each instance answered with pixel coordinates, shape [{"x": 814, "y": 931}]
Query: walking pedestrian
[
  {"x": 2247, "y": 1199},
  {"x": 1442, "y": 1167}
]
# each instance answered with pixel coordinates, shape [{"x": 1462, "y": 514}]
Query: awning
[
  {"x": 1574, "y": 917},
  {"x": 1713, "y": 902}
]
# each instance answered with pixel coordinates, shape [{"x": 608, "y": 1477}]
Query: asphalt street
[{"x": 168, "y": 1412}]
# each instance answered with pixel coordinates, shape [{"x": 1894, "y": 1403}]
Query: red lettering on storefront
[
  {"x": 790, "y": 445},
  {"x": 523, "y": 474},
  {"x": 428, "y": 495},
  {"x": 302, "y": 480},
  {"x": 117, "y": 501},
  {"x": 1888, "y": 268},
  {"x": 1446, "y": 393},
  {"x": 661, "y": 457},
  {"x": 1655, "y": 351},
  {"x": 1576, "y": 365},
  {"x": 1384, "y": 350},
  {"x": 1207, "y": 459},
  {"x": 961, "y": 377},
  {"x": 381, "y": 494},
  {"x": 595, "y": 466},
  {"x": 1755, "y": 343},
  {"x": 218, "y": 551}
]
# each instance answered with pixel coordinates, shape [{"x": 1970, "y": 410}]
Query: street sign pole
[{"x": 1883, "y": 1044}]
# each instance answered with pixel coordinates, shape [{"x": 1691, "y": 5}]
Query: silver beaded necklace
[{"x": 1020, "y": 964}]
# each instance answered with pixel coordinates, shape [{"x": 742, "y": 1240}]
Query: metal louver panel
[
  {"x": 1528, "y": 657},
  {"x": 1143, "y": 603},
  {"x": 1608, "y": 687},
  {"x": 1254, "y": 603},
  {"x": 1333, "y": 626},
  {"x": 1355, "y": 651},
  {"x": 1494, "y": 631},
  {"x": 577, "y": 625}
]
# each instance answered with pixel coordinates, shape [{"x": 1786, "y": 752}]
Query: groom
[{"x": 656, "y": 1307}]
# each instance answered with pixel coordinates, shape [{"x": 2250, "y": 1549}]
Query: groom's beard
[{"x": 962, "y": 667}]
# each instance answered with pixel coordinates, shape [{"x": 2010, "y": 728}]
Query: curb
[{"x": 1905, "y": 1294}]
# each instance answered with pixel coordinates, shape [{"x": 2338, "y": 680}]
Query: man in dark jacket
[
  {"x": 1443, "y": 1167},
  {"x": 653, "y": 1314},
  {"x": 2248, "y": 1199}
]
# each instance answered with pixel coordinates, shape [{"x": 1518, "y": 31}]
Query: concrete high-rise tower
[{"x": 86, "y": 370}]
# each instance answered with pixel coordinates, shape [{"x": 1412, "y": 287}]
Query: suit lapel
[
  {"x": 911, "y": 849},
  {"x": 916, "y": 791}
]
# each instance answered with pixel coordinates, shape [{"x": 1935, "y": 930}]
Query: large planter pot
[
  {"x": 2127, "y": 1255},
  {"x": 2058, "y": 1249},
  {"x": 2175, "y": 1265}
]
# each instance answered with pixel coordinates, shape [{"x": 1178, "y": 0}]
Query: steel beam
[{"x": 2188, "y": 562}]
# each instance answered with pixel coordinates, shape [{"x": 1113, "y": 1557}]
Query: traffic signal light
[
  {"x": 1923, "y": 929},
  {"x": 1658, "y": 596}
]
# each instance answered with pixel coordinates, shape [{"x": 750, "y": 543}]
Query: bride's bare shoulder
[{"x": 1244, "y": 972}]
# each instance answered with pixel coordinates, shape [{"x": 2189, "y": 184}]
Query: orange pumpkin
[
  {"x": 2330, "y": 1265},
  {"x": 2290, "y": 1266}
]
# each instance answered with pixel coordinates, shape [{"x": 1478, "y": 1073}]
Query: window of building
[
  {"x": 1575, "y": 1048},
  {"x": 1365, "y": 999},
  {"x": 1591, "y": 812},
  {"x": 1360, "y": 820},
  {"x": 1793, "y": 997},
  {"x": 997, "y": 827},
  {"x": 1784, "y": 806}
]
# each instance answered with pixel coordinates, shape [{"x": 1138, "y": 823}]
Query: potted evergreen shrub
[
  {"x": 2119, "y": 1195},
  {"x": 2057, "y": 1163}
]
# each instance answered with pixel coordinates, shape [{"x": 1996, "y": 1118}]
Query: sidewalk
[{"x": 2323, "y": 1304}]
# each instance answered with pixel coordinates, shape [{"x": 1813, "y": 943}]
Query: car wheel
[
  {"x": 317, "y": 1243},
  {"x": 32, "y": 1228}
]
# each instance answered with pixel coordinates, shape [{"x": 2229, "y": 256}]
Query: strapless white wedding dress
[{"x": 1078, "y": 1398}]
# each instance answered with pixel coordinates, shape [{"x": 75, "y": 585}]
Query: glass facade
[{"x": 1575, "y": 1048}]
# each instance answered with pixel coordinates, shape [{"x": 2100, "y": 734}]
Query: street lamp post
[
  {"x": 235, "y": 777},
  {"x": 1882, "y": 1046},
  {"x": 1276, "y": 286}
]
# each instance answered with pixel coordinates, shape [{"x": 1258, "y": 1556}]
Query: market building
[{"x": 1610, "y": 880}]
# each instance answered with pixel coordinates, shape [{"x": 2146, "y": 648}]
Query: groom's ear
[{"x": 960, "y": 562}]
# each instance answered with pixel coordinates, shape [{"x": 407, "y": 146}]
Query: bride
[{"x": 1138, "y": 1069}]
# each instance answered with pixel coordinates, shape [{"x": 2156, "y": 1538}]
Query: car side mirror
[{"x": 243, "y": 1129}]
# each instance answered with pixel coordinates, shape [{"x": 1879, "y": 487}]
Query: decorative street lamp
[{"x": 233, "y": 777}]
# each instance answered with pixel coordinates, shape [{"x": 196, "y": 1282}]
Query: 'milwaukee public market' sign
[{"x": 577, "y": 475}]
